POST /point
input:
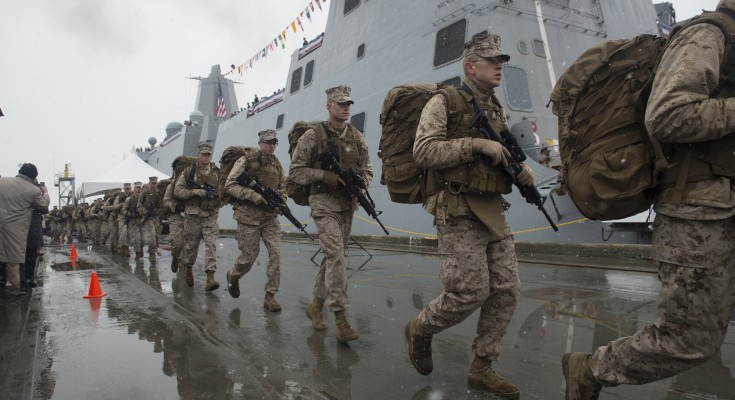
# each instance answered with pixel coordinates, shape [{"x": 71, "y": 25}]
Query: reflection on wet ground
[{"x": 154, "y": 337}]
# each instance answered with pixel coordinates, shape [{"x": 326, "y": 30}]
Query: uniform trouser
[
  {"x": 135, "y": 232},
  {"x": 248, "y": 241},
  {"x": 331, "y": 280},
  {"x": 104, "y": 231},
  {"x": 150, "y": 237},
  {"x": 123, "y": 237},
  {"x": 694, "y": 306},
  {"x": 176, "y": 234},
  {"x": 477, "y": 272},
  {"x": 196, "y": 229},
  {"x": 112, "y": 223},
  {"x": 12, "y": 275},
  {"x": 95, "y": 231},
  {"x": 70, "y": 231}
]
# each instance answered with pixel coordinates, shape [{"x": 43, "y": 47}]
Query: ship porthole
[{"x": 522, "y": 47}]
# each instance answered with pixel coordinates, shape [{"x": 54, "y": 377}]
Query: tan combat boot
[
  {"x": 189, "y": 275},
  {"x": 419, "y": 347},
  {"x": 581, "y": 382},
  {"x": 314, "y": 312},
  {"x": 345, "y": 333},
  {"x": 270, "y": 303},
  {"x": 211, "y": 283},
  {"x": 483, "y": 377},
  {"x": 174, "y": 264},
  {"x": 233, "y": 285}
]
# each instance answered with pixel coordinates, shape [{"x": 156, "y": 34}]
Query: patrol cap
[
  {"x": 138, "y": 184},
  {"x": 487, "y": 46},
  {"x": 266, "y": 135},
  {"x": 340, "y": 94},
  {"x": 153, "y": 180},
  {"x": 204, "y": 148},
  {"x": 127, "y": 185}
]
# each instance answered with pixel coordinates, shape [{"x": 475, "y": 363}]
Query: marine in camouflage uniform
[
  {"x": 479, "y": 269},
  {"x": 94, "y": 217},
  {"x": 149, "y": 205},
  {"x": 123, "y": 239},
  {"x": 112, "y": 213},
  {"x": 255, "y": 219},
  {"x": 134, "y": 217},
  {"x": 331, "y": 207},
  {"x": 67, "y": 223},
  {"x": 200, "y": 215},
  {"x": 79, "y": 216},
  {"x": 690, "y": 111},
  {"x": 175, "y": 215}
]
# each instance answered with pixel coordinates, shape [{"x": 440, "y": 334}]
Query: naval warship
[{"x": 375, "y": 45}]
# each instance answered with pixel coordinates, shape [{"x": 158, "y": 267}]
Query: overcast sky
[{"x": 83, "y": 81}]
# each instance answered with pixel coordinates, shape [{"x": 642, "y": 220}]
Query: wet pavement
[{"x": 153, "y": 337}]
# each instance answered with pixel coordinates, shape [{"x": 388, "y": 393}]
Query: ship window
[
  {"x": 351, "y": 5},
  {"x": 358, "y": 121},
  {"x": 480, "y": 34},
  {"x": 516, "y": 88},
  {"x": 538, "y": 48},
  {"x": 309, "y": 73},
  {"x": 449, "y": 43},
  {"x": 456, "y": 82},
  {"x": 279, "y": 122},
  {"x": 522, "y": 47},
  {"x": 296, "y": 81},
  {"x": 361, "y": 51}
]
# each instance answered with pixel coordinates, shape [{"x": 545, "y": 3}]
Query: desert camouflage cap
[
  {"x": 204, "y": 148},
  {"x": 266, "y": 135},
  {"x": 340, "y": 94},
  {"x": 486, "y": 47},
  {"x": 138, "y": 184},
  {"x": 127, "y": 185},
  {"x": 153, "y": 179}
]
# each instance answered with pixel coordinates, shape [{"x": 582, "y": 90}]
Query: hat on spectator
[{"x": 28, "y": 170}]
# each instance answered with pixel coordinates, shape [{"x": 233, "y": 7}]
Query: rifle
[
  {"x": 354, "y": 185},
  {"x": 152, "y": 206},
  {"x": 272, "y": 198},
  {"x": 211, "y": 190},
  {"x": 517, "y": 156},
  {"x": 128, "y": 216}
]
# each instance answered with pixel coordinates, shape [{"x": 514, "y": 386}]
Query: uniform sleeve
[
  {"x": 432, "y": 149},
  {"x": 142, "y": 205},
  {"x": 300, "y": 170},
  {"x": 236, "y": 190},
  {"x": 680, "y": 108},
  {"x": 180, "y": 190}
]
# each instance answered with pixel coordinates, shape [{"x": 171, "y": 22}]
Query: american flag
[{"x": 221, "y": 109}]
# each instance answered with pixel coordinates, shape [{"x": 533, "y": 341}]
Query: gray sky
[{"x": 83, "y": 81}]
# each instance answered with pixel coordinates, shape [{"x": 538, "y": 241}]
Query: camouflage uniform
[
  {"x": 53, "y": 218},
  {"x": 200, "y": 215},
  {"x": 175, "y": 221},
  {"x": 112, "y": 222},
  {"x": 331, "y": 208},
  {"x": 694, "y": 231},
  {"x": 79, "y": 216},
  {"x": 149, "y": 205},
  {"x": 67, "y": 222},
  {"x": 94, "y": 216},
  {"x": 123, "y": 239},
  {"x": 256, "y": 220},
  {"x": 479, "y": 268},
  {"x": 131, "y": 211}
]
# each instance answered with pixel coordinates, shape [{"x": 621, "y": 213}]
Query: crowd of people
[{"x": 693, "y": 237}]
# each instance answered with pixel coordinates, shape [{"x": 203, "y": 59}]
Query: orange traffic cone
[
  {"x": 94, "y": 288},
  {"x": 73, "y": 254}
]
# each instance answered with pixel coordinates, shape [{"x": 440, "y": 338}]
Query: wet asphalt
[{"x": 153, "y": 337}]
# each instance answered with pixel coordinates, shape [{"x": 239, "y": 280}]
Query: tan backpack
[
  {"x": 609, "y": 164},
  {"x": 300, "y": 193},
  {"x": 226, "y": 162}
]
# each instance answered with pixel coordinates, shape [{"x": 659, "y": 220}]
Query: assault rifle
[
  {"x": 128, "y": 215},
  {"x": 354, "y": 185},
  {"x": 211, "y": 190},
  {"x": 517, "y": 156},
  {"x": 152, "y": 207},
  {"x": 272, "y": 198}
]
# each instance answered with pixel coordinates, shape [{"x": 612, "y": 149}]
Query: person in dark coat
[
  {"x": 33, "y": 243},
  {"x": 18, "y": 196}
]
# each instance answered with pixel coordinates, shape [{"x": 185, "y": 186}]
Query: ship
[{"x": 375, "y": 45}]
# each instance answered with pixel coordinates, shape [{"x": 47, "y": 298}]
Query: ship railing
[
  {"x": 275, "y": 98},
  {"x": 311, "y": 46},
  {"x": 171, "y": 139}
]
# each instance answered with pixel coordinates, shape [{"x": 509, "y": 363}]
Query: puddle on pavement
[{"x": 78, "y": 265}]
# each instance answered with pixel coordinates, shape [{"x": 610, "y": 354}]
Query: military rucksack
[
  {"x": 300, "y": 193},
  {"x": 399, "y": 118},
  {"x": 609, "y": 164},
  {"x": 180, "y": 163},
  {"x": 226, "y": 162}
]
